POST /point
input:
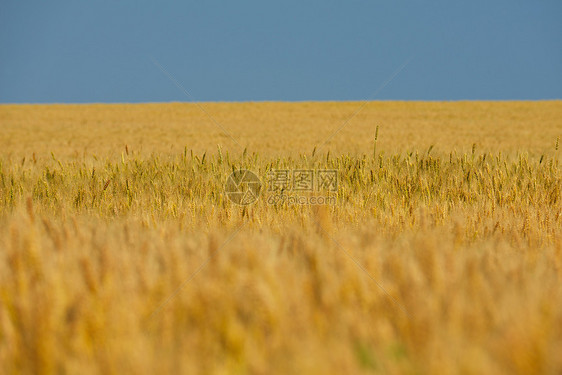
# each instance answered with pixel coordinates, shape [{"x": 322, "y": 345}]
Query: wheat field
[{"x": 121, "y": 253}]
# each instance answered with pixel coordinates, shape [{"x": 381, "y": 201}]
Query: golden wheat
[{"x": 121, "y": 253}]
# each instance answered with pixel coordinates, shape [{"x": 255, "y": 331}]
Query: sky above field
[{"x": 140, "y": 51}]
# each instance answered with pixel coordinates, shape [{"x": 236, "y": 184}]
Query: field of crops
[{"x": 122, "y": 252}]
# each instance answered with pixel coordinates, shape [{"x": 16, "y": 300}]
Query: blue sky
[{"x": 102, "y": 51}]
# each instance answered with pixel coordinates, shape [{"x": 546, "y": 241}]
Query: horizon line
[{"x": 285, "y": 101}]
